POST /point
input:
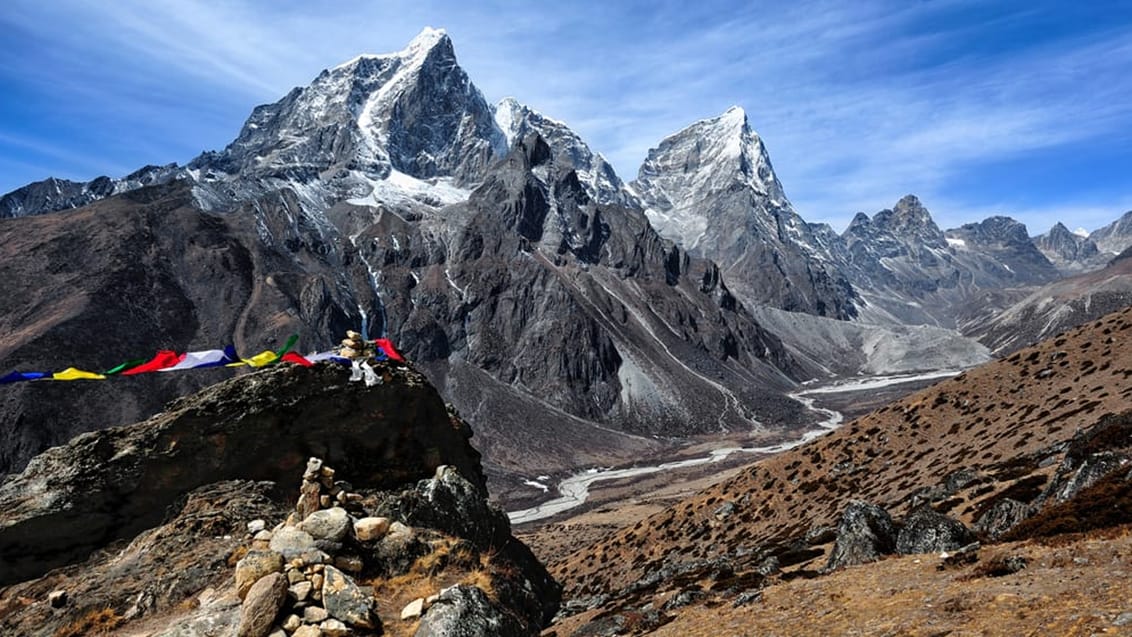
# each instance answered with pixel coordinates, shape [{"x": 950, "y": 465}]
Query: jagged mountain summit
[
  {"x": 1069, "y": 252},
  {"x": 1116, "y": 237},
  {"x": 908, "y": 271},
  {"x": 414, "y": 113},
  {"x": 596, "y": 174},
  {"x": 712, "y": 189}
]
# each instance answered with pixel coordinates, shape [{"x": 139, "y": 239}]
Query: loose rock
[
  {"x": 345, "y": 601},
  {"x": 292, "y": 542},
  {"x": 370, "y": 529},
  {"x": 307, "y": 631},
  {"x": 413, "y": 609},
  {"x": 254, "y": 566},
  {"x": 334, "y": 628},
  {"x": 315, "y": 614},
  {"x": 264, "y": 600}
]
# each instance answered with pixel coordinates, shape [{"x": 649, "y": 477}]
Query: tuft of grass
[
  {"x": 95, "y": 622},
  {"x": 483, "y": 580}
]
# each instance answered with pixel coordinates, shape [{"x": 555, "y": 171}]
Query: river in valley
[{"x": 574, "y": 490}]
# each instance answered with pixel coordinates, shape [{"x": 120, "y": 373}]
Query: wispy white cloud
[{"x": 859, "y": 103}]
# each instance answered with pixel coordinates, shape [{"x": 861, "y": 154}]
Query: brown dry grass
[
  {"x": 451, "y": 562},
  {"x": 1079, "y": 588},
  {"x": 95, "y": 622},
  {"x": 981, "y": 420}
]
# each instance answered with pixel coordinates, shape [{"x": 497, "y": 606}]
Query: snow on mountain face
[
  {"x": 705, "y": 158},
  {"x": 711, "y": 188},
  {"x": 601, "y": 182},
  {"x": 1116, "y": 236},
  {"x": 413, "y": 113}
]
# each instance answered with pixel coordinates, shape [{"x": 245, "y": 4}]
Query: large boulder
[
  {"x": 263, "y": 603},
  {"x": 1002, "y": 516},
  {"x": 466, "y": 611},
  {"x": 926, "y": 530},
  {"x": 864, "y": 534},
  {"x": 449, "y": 503}
]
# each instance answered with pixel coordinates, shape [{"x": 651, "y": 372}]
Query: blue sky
[{"x": 979, "y": 108}]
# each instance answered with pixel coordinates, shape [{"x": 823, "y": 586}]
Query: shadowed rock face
[
  {"x": 114, "y": 483},
  {"x": 1070, "y": 253},
  {"x": 135, "y": 273}
]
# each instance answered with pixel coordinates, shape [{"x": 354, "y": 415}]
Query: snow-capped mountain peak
[
  {"x": 720, "y": 150},
  {"x": 414, "y": 113},
  {"x": 418, "y": 48},
  {"x": 711, "y": 188}
]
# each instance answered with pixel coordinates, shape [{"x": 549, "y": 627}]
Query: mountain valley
[{"x": 702, "y": 412}]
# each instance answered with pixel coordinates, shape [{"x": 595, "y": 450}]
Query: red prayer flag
[
  {"x": 386, "y": 346},
  {"x": 292, "y": 357},
  {"x": 164, "y": 358}
]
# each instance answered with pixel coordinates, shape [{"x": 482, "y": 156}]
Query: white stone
[
  {"x": 370, "y": 529},
  {"x": 414, "y": 609},
  {"x": 255, "y": 526},
  {"x": 334, "y": 628},
  {"x": 292, "y": 623}
]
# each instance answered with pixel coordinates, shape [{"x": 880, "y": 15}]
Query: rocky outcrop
[
  {"x": 864, "y": 534},
  {"x": 229, "y": 559},
  {"x": 925, "y": 530},
  {"x": 113, "y": 484},
  {"x": 466, "y": 610}
]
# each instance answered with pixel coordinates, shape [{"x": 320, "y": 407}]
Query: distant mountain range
[{"x": 572, "y": 317}]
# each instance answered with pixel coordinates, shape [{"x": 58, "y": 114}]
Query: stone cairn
[
  {"x": 297, "y": 580},
  {"x": 355, "y": 348},
  {"x": 362, "y": 356}
]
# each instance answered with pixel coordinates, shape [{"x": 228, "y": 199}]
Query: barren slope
[{"x": 1001, "y": 425}]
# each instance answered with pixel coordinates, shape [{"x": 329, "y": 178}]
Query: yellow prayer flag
[
  {"x": 76, "y": 374},
  {"x": 259, "y": 360}
]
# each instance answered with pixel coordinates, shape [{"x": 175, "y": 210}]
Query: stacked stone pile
[
  {"x": 298, "y": 578},
  {"x": 355, "y": 348}
]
